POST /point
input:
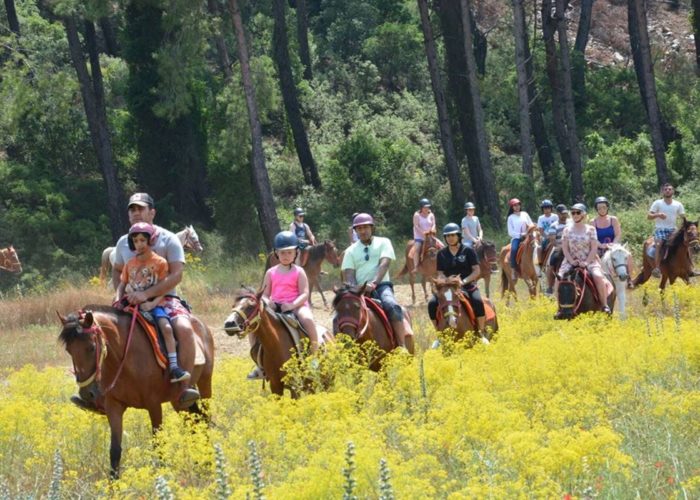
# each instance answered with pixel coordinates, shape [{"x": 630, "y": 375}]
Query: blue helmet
[
  {"x": 546, "y": 204},
  {"x": 469, "y": 205},
  {"x": 451, "y": 228},
  {"x": 298, "y": 211},
  {"x": 424, "y": 202},
  {"x": 286, "y": 240}
]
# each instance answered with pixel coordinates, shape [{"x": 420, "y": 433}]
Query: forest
[{"x": 231, "y": 113}]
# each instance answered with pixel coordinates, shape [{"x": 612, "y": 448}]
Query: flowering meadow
[{"x": 591, "y": 408}]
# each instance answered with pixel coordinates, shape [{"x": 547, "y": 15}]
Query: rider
[
  {"x": 141, "y": 209},
  {"x": 545, "y": 221},
  {"x": 664, "y": 212},
  {"x": 459, "y": 259},
  {"x": 367, "y": 262},
  {"x": 303, "y": 233},
  {"x": 143, "y": 271},
  {"x": 580, "y": 247},
  {"x": 472, "y": 234},
  {"x": 556, "y": 230},
  {"x": 518, "y": 222},
  {"x": 608, "y": 230},
  {"x": 423, "y": 223}
]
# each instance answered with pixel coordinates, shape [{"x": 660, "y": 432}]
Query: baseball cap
[{"x": 142, "y": 199}]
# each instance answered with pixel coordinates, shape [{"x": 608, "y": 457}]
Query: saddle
[
  {"x": 152, "y": 334},
  {"x": 490, "y": 313}
]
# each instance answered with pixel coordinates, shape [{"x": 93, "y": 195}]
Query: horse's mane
[
  {"x": 317, "y": 250},
  {"x": 344, "y": 289},
  {"x": 675, "y": 241},
  {"x": 481, "y": 251},
  {"x": 73, "y": 330},
  {"x": 245, "y": 291}
]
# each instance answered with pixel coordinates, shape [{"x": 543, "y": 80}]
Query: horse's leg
[
  {"x": 664, "y": 279},
  {"x": 115, "y": 415},
  {"x": 422, "y": 283},
  {"x": 487, "y": 281},
  {"x": 317, "y": 281},
  {"x": 412, "y": 281},
  {"x": 620, "y": 291}
]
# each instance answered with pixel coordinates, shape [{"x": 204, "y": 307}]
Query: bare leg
[
  {"x": 307, "y": 321},
  {"x": 417, "y": 247}
]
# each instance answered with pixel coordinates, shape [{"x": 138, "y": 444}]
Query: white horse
[
  {"x": 616, "y": 269},
  {"x": 188, "y": 237}
]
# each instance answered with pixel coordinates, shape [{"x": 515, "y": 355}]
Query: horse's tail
[
  {"x": 504, "y": 281},
  {"x": 105, "y": 263}
]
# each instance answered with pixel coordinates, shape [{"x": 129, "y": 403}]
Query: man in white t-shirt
[{"x": 664, "y": 212}]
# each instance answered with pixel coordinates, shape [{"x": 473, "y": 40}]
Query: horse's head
[
  {"x": 245, "y": 313},
  {"x": 619, "y": 255},
  {"x": 85, "y": 343},
  {"x": 533, "y": 235},
  {"x": 431, "y": 245},
  {"x": 690, "y": 236},
  {"x": 9, "y": 260},
  {"x": 191, "y": 240},
  {"x": 488, "y": 252},
  {"x": 352, "y": 317},
  {"x": 447, "y": 292},
  {"x": 331, "y": 253}
]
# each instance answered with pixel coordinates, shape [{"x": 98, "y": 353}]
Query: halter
[
  {"x": 97, "y": 337},
  {"x": 251, "y": 322},
  {"x": 612, "y": 265},
  {"x": 351, "y": 320}
]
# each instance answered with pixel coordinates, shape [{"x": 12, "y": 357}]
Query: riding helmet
[
  {"x": 600, "y": 199},
  {"x": 286, "y": 240},
  {"x": 469, "y": 205},
  {"x": 142, "y": 228},
  {"x": 561, "y": 208},
  {"x": 581, "y": 207},
  {"x": 424, "y": 202},
  {"x": 513, "y": 202},
  {"x": 362, "y": 219},
  {"x": 298, "y": 211},
  {"x": 546, "y": 204},
  {"x": 451, "y": 228}
]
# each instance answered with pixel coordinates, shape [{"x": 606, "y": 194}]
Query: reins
[
  {"x": 349, "y": 320},
  {"x": 250, "y": 323}
]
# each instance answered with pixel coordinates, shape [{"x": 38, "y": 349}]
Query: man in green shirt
[{"x": 367, "y": 261}]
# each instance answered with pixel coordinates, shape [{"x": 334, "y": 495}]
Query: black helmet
[
  {"x": 286, "y": 240},
  {"x": 469, "y": 205},
  {"x": 561, "y": 209},
  {"x": 451, "y": 228},
  {"x": 546, "y": 204},
  {"x": 298, "y": 211},
  {"x": 581, "y": 207},
  {"x": 424, "y": 202},
  {"x": 600, "y": 199}
]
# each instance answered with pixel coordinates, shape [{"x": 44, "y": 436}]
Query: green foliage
[{"x": 397, "y": 51}]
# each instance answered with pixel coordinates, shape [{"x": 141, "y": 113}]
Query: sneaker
[
  {"x": 435, "y": 344},
  {"x": 188, "y": 397},
  {"x": 177, "y": 374},
  {"x": 549, "y": 291},
  {"x": 606, "y": 310},
  {"x": 256, "y": 374},
  {"x": 656, "y": 273},
  {"x": 484, "y": 340}
]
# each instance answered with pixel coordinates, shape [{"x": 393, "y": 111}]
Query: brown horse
[
  {"x": 577, "y": 294},
  {"x": 452, "y": 312},
  {"x": 488, "y": 261},
  {"x": 252, "y": 313},
  {"x": 528, "y": 271},
  {"x": 354, "y": 317},
  {"x": 312, "y": 267},
  {"x": 676, "y": 259},
  {"x": 427, "y": 264},
  {"x": 188, "y": 237},
  {"x": 115, "y": 368},
  {"x": 9, "y": 261}
]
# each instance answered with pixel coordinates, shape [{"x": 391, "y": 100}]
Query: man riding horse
[{"x": 664, "y": 212}]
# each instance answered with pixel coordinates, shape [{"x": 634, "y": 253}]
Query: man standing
[
  {"x": 367, "y": 261},
  {"x": 168, "y": 246},
  {"x": 664, "y": 212}
]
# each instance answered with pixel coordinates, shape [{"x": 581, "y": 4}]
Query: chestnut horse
[
  {"x": 528, "y": 270},
  {"x": 188, "y": 237},
  {"x": 676, "y": 261},
  {"x": 488, "y": 261},
  {"x": 9, "y": 261},
  {"x": 452, "y": 313},
  {"x": 115, "y": 368},
  {"x": 317, "y": 253},
  {"x": 427, "y": 265},
  {"x": 355, "y": 318},
  {"x": 252, "y": 313}
]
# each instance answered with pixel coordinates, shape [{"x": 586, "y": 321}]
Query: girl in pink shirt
[{"x": 423, "y": 222}]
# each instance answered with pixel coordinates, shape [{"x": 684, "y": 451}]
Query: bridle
[
  {"x": 98, "y": 339},
  {"x": 618, "y": 265},
  {"x": 360, "y": 324},
  {"x": 252, "y": 319},
  {"x": 450, "y": 306}
]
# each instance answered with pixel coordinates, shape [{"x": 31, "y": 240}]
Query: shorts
[
  {"x": 173, "y": 307},
  {"x": 158, "y": 312},
  {"x": 663, "y": 233}
]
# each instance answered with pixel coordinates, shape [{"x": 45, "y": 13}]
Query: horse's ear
[
  {"x": 88, "y": 320},
  {"x": 62, "y": 318}
]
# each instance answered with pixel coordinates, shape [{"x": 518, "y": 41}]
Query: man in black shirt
[{"x": 458, "y": 259}]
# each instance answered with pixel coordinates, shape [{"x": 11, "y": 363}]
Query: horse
[
  {"x": 115, "y": 368},
  {"x": 578, "y": 294},
  {"x": 453, "y": 313},
  {"x": 488, "y": 261},
  {"x": 252, "y": 313},
  {"x": 188, "y": 237},
  {"x": 317, "y": 253},
  {"x": 9, "y": 261},
  {"x": 354, "y": 316},
  {"x": 676, "y": 261},
  {"x": 614, "y": 264},
  {"x": 528, "y": 270},
  {"x": 427, "y": 264}
]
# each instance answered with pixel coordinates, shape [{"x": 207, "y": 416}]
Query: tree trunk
[
  {"x": 289, "y": 96},
  {"x": 568, "y": 101},
  {"x": 12, "y": 19},
  {"x": 578, "y": 69},
  {"x": 520, "y": 33},
  {"x": 696, "y": 34},
  {"x": 641, "y": 52},
  {"x": 220, "y": 42},
  {"x": 443, "y": 116},
  {"x": 480, "y": 44},
  {"x": 267, "y": 214},
  {"x": 111, "y": 43},
  {"x": 92, "y": 93},
  {"x": 303, "y": 38}
]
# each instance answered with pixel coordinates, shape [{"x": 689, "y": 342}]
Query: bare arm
[
  {"x": 303, "y": 284},
  {"x": 349, "y": 277},
  {"x": 151, "y": 304},
  {"x": 618, "y": 230},
  {"x": 312, "y": 238},
  {"x": 565, "y": 249},
  {"x": 175, "y": 270},
  {"x": 116, "y": 278},
  {"x": 475, "y": 274},
  {"x": 382, "y": 268},
  {"x": 266, "y": 287}
]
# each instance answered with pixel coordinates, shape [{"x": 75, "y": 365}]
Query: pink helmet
[
  {"x": 142, "y": 228},
  {"x": 513, "y": 202},
  {"x": 362, "y": 220}
]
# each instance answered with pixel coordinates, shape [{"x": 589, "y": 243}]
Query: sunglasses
[
  {"x": 366, "y": 253},
  {"x": 576, "y": 212}
]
